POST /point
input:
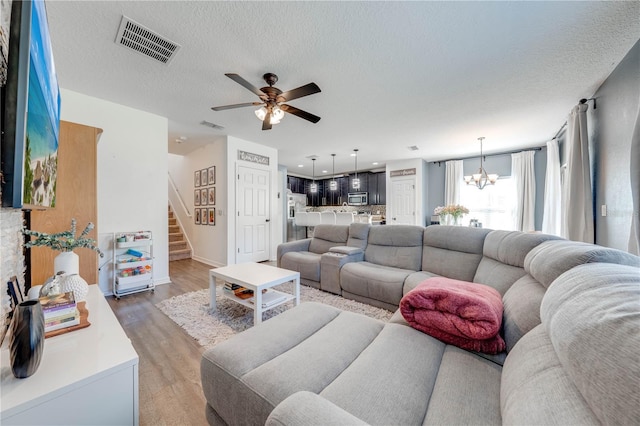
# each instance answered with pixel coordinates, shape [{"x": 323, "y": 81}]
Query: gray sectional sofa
[{"x": 571, "y": 325}]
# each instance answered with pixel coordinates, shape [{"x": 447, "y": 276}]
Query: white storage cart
[{"x": 133, "y": 262}]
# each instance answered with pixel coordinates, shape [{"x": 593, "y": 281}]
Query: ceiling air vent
[
  {"x": 210, "y": 124},
  {"x": 413, "y": 148},
  {"x": 136, "y": 37}
]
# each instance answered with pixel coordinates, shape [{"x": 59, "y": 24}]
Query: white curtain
[
  {"x": 524, "y": 176},
  {"x": 579, "y": 205},
  {"x": 634, "y": 236},
  {"x": 452, "y": 181},
  {"x": 552, "y": 216}
]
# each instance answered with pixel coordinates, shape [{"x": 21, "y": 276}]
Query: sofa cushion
[
  {"x": 391, "y": 379},
  {"x": 453, "y": 251},
  {"x": 374, "y": 281},
  {"x": 521, "y": 309},
  {"x": 397, "y": 246},
  {"x": 304, "y": 348},
  {"x": 581, "y": 364},
  {"x": 358, "y": 235},
  {"x": 466, "y": 391},
  {"x": 327, "y": 236},
  {"x": 550, "y": 259},
  {"x": 504, "y": 252},
  {"x": 592, "y": 316},
  {"x": 416, "y": 278},
  {"x": 305, "y": 262}
]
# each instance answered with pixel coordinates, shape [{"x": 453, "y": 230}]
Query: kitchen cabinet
[
  {"x": 295, "y": 184},
  {"x": 314, "y": 199},
  {"x": 364, "y": 180},
  {"x": 377, "y": 184}
]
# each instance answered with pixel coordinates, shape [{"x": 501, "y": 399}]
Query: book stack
[
  {"x": 237, "y": 290},
  {"x": 60, "y": 311}
]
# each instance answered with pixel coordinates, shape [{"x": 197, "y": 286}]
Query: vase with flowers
[
  {"x": 67, "y": 261},
  {"x": 451, "y": 214}
]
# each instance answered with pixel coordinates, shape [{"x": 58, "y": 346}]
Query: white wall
[
  {"x": 233, "y": 146},
  {"x": 208, "y": 243},
  {"x": 132, "y": 172},
  {"x": 11, "y": 257},
  {"x": 421, "y": 188}
]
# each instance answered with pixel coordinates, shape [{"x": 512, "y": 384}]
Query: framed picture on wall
[
  {"x": 196, "y": 197},
  {"x": 205, "y": 217},
  {"x": 197, "y": 216},
  {"x": 212, "y": 216},
  {"x": 196, "y": 178},
  {"x": 204, "y": 193},
  {"x": 203, "y": 177},
  {"x": 212, "y": 197},
  {"x": 212, "y": 175}
]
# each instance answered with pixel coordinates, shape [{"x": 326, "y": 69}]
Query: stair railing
[{"x": 177, "y": 191}]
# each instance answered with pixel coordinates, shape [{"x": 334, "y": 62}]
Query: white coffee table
[{"x": 256, "y": 277}]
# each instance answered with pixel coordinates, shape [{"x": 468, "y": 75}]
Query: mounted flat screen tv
[{"x": 31, "y": 123}]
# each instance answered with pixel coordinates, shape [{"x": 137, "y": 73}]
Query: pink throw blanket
[{"x": 464, "y": 314}]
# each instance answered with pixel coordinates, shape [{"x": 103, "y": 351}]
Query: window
[{"x": 494, "y": 206}]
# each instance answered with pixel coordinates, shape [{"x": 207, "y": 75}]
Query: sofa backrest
[
  {"x": 358, "y": 235},
  {"x": 327, "y": 236},
  {"x": 503, "y": 257},
  {"x": 398, "y": 246},
  {"x": 453, "y": 251},
  {"x": 542, "y": 265},
  {"x": 581, "y": 364}
]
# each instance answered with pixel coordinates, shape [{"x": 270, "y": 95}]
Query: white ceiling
[{"x": 393, "y": 74}]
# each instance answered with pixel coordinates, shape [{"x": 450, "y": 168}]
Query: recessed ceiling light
[
  {"x": 324, "y": 171},
  {"x": 375, "y": 163},
  {"x": 300, "y": 165}
]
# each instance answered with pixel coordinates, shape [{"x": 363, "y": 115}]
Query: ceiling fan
[{"x": 273, "y": 100}]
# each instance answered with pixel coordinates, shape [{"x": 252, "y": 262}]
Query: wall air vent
[
  {"x": 136, "y": 37},
  {"x": 210, "y": 124}
]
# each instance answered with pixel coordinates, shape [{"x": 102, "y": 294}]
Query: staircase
[{"x": 177, "y": 245}]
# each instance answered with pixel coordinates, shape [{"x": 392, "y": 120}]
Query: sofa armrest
[
  {"x": 307, "y": 408},
  {"x": 346, "y": 250},
  {"x": 298, "y": 245},
  {"x": 330, "y": 265}
]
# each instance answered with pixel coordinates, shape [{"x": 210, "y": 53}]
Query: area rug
[{"x": 191, "y": 311}]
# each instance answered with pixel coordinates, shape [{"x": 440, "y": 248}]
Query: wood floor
[{"x": 169, "y": 369}]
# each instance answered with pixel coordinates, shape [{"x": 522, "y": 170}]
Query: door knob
[{"x": 267, "y": 220}]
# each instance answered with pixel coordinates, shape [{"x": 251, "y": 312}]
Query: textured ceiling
[{"x": 393, "y": 74}]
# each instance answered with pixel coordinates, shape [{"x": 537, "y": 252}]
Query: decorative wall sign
[
  {"x": 253, "y": 158},
  {"x": 403, "y": 172}
]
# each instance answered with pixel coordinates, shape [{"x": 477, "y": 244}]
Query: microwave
[{"x": 357, "y": 199}]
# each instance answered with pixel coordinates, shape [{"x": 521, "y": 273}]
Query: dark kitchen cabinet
[
  {"x": 377, "y": 184},
  {"x": 382, "y": 187},
  {"x": 363, "y": 182},
  {"x": 295, "y": 184}
]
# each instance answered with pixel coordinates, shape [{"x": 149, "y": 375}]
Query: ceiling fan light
[
  {"x": 274, "y": 120},
  {"x": 277, "y": 114},
  {"x": 261, "y": 113}
]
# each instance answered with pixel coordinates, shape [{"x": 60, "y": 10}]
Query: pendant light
[
  {"x": 356, "y": 182},
  {"x": 313, "y": 188},
  {"x": 333, "y": 184},
  {"x": 482, "y": 178}
]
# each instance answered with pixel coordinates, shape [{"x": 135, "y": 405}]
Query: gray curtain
[
  {"x": 452, "y": 180},
  {"x": 579, "y": 206},
  {"x": 634, "y": 237},
  {"x": 524, "y": 176}
]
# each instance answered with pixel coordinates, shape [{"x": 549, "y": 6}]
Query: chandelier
[{"x": 482, "y": 178}]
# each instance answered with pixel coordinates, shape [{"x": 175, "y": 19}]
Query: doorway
[
  {"x": 404, "y": 201},
  {"x": 253, "y": 227}
]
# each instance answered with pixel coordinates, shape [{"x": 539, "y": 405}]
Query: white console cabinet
[{"x": 86, "y": 377}]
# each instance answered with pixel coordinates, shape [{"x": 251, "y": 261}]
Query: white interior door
[
  {"x": 253, "y": 215},
  {"x": 404, "y": 201}
]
